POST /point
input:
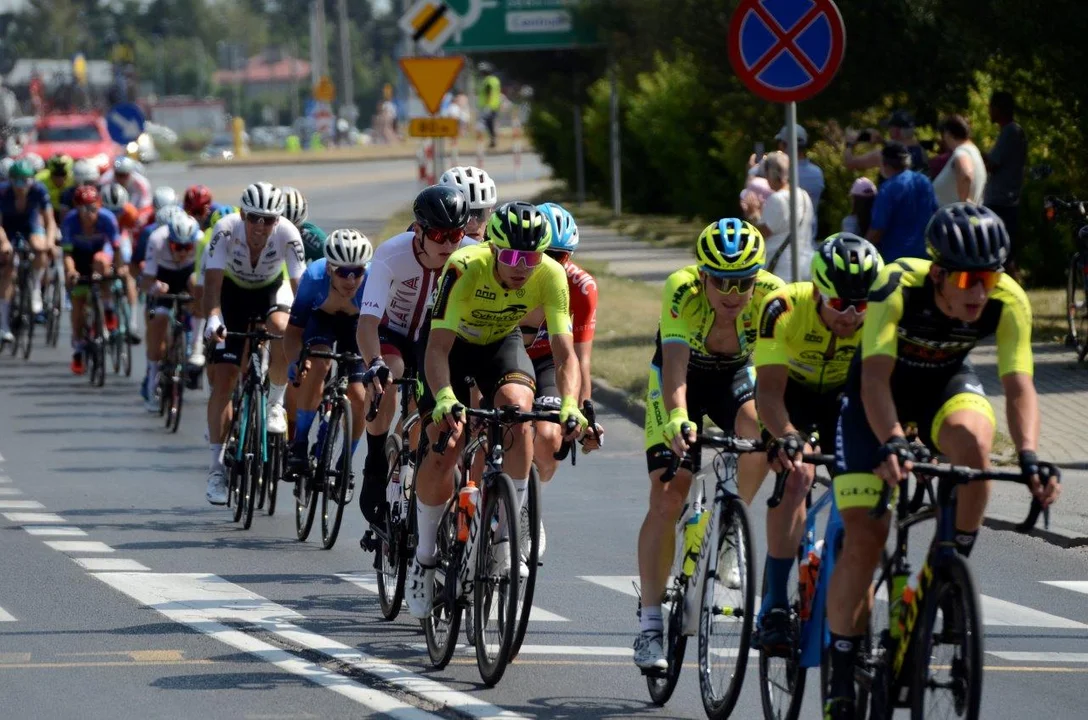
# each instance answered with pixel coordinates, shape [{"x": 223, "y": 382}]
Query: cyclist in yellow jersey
[
  {"x": 924, "y": 317},
  {"x": 709, "y": 322},
  {"x": 484, "y": 291},
  {"x": 57, "y": 177},
  {"x": 808, "y": 335}
]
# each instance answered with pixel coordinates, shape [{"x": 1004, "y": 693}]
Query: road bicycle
[
  {"x": 96, "y": 336},
  {"x": 246, "y": 450},
  {"x": 172, "y": 372},
  {"x": 119, "y": 345},
  {"x": 21, "y": 315},
  {"x": 470, "y": 559},
  {"x": 899, "y": 666},
  {"x": 1076, "y": 288},
  {"x": 329, "y": 472},
  {"x": 53, "y": 304},
  {"x": 702, "y": 595}
]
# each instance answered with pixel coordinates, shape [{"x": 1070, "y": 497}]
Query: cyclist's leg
[
  {"x": 856, "y": 488},
  {"x": 505, "y": 377},
  {"x": 344, "y": 327},
  {"x": 963, "y": 431},
  {"x": 734, "y": 411},
  {"x": 7, "y": 287},
  {"x": 39, "y": 242},
  {"x": 279, "y": 305},
  {"x": 196, "y": 355},
  {"x": 549, "y": 436},
  {"x": 238, "y": 306},
  {"x": 157, "y": 323},
  {"x": 123, "y": 260},
  {"x": 398, "y": 353}
]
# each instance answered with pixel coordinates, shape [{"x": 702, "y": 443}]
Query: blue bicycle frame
[{"x": 815, "y": 632}]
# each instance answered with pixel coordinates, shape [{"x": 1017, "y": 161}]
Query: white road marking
[
  {"x": 21, "y": 505},
  {"x": 5, "y": 616},
  {"x": 1044, "y": 657},
  {"x": 110, "y": 565},
  {"x": 370, "y": 584},
  {"x": 67, "y": 530},
  {"x": 28, "y": 517},
  {"x": 1080, "y": 586},
  {"x": 79, "y": 546},
  {"x": 4, "y": 479},
  {"x": 198, "y": 600},
  {"x": 619, "y": 583},
  {"x": 10, "y": 491}
]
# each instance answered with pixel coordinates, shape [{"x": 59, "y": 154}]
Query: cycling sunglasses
[
  {"x": 560, "y": 256},
  {"x": 349, "y": 272},
  {"x": 256, "y": 219},
  {"x": 21, "y": 182},
  {"x": 967, "y": 279},
  {"x": 479, "y": 215},
  {"x": 726, "y": 284},
  {"x": 513, "y": 258},
  {"x": 439, "y": 235},
  {"x": 88, "y": 208},
  {"x": 841, "y": 305},
  {"x": 180, "y": 248}
]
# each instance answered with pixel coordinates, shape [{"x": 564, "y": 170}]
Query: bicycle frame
[
  {"x": 815, "y": 632},
  {"x": 256, "y": 370}
]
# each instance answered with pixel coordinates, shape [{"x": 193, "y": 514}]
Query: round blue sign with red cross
[{"x": 786, "y": 50}]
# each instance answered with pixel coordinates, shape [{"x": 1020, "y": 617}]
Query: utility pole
[{"x": 347, "y": 92}]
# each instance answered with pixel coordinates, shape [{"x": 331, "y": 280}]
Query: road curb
[
  {"x": 1061, "y": 537},
  {"x": 627, "y": 406},
  {"x": 331, "y": 158}
]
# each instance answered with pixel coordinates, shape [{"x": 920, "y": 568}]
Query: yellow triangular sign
[{"x": 432, "y": 77}]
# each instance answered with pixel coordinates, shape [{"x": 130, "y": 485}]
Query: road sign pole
[
  {"x": 614, "y": 123},
  {"x": 579, "y": 156},
  {"x": 791, "y": 138}
]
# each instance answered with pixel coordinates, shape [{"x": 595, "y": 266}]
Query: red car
[{"x": 79, "y": 135}]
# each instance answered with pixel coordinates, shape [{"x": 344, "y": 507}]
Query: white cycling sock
[
  {"x": 133, "y": 316},
  {"x": 650, "y": 619},
  {"x": 521, "y": 487},
  {"x": 5, "y": 308},
  {"x": 427, "y": 519},
  {"x": 197, "y": 325},
  {"x": 217, "y": 456},
  {"x": 276, "y": 393}
]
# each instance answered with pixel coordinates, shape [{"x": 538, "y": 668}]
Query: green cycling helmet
[{"x": 21, "y": 170}]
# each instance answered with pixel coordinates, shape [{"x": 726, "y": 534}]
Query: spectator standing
[
  {"x": 1005, "y": 163},
  {"x": 963, "y": 177},
  {"x": 489, "y": 101},
  {"x": 904, "y": 204},
  {"x": 775, "y": 221},
  {"x": 900, "y": 129},
  {"x": 862, "y": 197}
]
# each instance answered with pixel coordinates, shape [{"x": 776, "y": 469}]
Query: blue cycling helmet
[{"x": 564, "y": 229}]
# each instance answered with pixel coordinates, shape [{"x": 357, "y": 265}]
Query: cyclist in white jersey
[
  {"x": 168, "y": 268},
  {"x": 393, "y": 317},
  {"x": 244, "y": 272}
]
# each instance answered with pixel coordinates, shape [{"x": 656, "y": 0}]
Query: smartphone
[{"x": 759, "y": 150}]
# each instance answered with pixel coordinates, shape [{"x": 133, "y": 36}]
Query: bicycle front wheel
[
  {"x": 336, "y": 469},
  {"x": 725, "y": 627},
  {"x": 392, "y": 560},
  {"x": 29, "y": 320},
  {"x": 495, "y": 606},
  {"x": 782, "y": 679},
  {"x": 54, "y": 306},
  {"x": 662, "y": 685},
  {"x": 529, "y": 529},
  {"x": 251, "y": 460},
  {"x": 440, "y": 628},
  {"x": 948, "y": 661}
]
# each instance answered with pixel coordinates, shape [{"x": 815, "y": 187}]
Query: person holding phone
[{"x": 900, "y": 129}]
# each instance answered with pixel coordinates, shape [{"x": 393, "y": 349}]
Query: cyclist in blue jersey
[
  {"x": 25, "y": 211},
  {"x": 326, "y": 310},
  {"x": 89, "y": 236}
]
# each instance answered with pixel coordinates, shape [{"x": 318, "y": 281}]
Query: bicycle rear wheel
[
  {"x": 308, "y": 485},
  {"x": 441, "y": 626},
  {"x": 54, "y": 305},
  {"x": 29, "y": 321},
  {"x": 782, "y": 679},
  {"x": 273, "y": 472},
  {"x": 392, "y": 551},
  {"x": 952, "y": 687},
  {"x": 496, "y": 586},
  {"x": 176, "y": 369},
  {"x": 234, "y": 464},
  {"x": 336, "y": 472},
  {"x": 529, "y": 540},
  {"x": 124, "y": 348}
]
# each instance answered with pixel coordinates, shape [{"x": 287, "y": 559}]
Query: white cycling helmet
[
  {"x": 295, "y": 208},
  {"x": 35, "y": 161},
  {"x": 84, "y": 172},
  {"x": 164, "y": 196},
  {"x": 183, "y": 229},
  {"x": 263, "y": 198},
  {"x": 475, "y": 183},
  {"x": 124, "y": 165},
  {"x": 348, "y": 247},
  {"x": 164, "y": 214},
  {"x": 114, "y": 196},
  {"x": 5, "y": 165}
]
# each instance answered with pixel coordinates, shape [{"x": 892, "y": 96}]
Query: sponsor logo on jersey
[
  {"x": 485, "y": 294},
  {"x": 509, "y": 313},
  {"x": 814, "y": 337},
  {"x": 775, "y": 309},
  {"x": 411, "y": 283}
]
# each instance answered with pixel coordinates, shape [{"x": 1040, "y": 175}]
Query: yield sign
[
  {"x": 786, "y": 50},
  {"x": 432, "y": 77}
]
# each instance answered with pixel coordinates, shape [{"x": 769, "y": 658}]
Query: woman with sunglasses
[
  {"x": 168, "y": 268},
  {"x": 808, "y": 334},
  {"x": 25, "y": 210},
  {"x": 709, "y": 319},
  {"x": 326, "y": 312},
  {"x": 924, "y": 318},
  {"x": 392, "y": 324}
]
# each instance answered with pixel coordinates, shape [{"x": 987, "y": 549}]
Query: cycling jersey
[
  {"x": 583, "y": 305},
  {"x": 139, "y": 189},
  {"x": 160, "y": 256},
  {"x": 313, "y": 291},
  {"x": 313, "y": 241},
  {"x": 56, "y": 192},
  {"x": 791, "y": 333},
  {"x": 31, "y": 220},
  {"x": 903, "y": 322},
  {"x": 139, "y": 251},
  {"x": 229, "y": 252},
  {"x": 398, "y": 287},
  {"x": 474, "y": 304},
  {"x": 81, "y": 245},
  {"x": 687, "y": 318}
]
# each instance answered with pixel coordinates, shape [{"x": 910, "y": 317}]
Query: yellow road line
[{"x": 101, "y": 664}]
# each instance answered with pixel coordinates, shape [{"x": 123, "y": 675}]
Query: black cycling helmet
[
  {"x": 845, "y": 266},
  {"x": 519, "y": 226},
  {"x": 442, "y": 207},
  {"x": 961, "y": 236}
]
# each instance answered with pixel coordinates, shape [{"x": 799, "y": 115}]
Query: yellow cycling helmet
[
  {"x": 731, "y": 246},
  {"x": 845, "y": 266}
]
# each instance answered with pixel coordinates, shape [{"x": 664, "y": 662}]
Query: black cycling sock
[
  {"x": 965, "y": 541},
  {"x": 844, "y": 651},
  {"x": 376, "y": 462}
]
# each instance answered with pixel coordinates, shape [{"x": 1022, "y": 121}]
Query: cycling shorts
[
  {"x": 240, "y": 305},
  {"x": 178, "y": 280},
  {"x": 857, "y": 449},
  {"x": 337, "y": 329},
  {"x": 547, "y": 387},
  {"x": 410, "y": 351},
  {"x": 490, "y": 366},
  {"x": 811, "y": 410},
  {"x": 712, "y": 393}
]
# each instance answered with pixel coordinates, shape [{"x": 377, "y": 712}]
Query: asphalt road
[{"x": 125, "y": 595}]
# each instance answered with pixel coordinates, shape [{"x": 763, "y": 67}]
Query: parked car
[{"x": 80, "y": 135}]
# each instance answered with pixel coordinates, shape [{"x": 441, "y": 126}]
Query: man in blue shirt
[{"x": 903, "y": 206}]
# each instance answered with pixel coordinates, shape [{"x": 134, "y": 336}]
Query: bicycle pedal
[
  {"x": 655, "y": 673},
  {"x": 368, "y": 542}
]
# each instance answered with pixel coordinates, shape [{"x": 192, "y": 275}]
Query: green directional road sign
[{"x": 490, "y": 25}]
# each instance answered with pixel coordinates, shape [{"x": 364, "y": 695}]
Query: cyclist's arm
[
  {"x": 771, "y": 361},
  {"x": 876, "y": 396},
  {"x": 771, "y": 399},
  {"x": 568, "y": 376},
  {"x": 301, "y": 309},
  {"x": 1022, "y": 410},
  {"x": 674, "y": 375},
  {"x": 879, "y": 349},
  {"x": 367, "y": 337},
  {"x": 150, "y": 270},
  {"x": 213, "y": 288},
  {"x": 582, "y": 352},
  {"x": 1015, "y": 365},
  {"x": 437, "y": 359}
]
